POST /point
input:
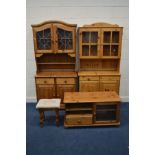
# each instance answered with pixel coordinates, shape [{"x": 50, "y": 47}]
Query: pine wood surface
[
  {"x": 85, "y": 97},
  {"x": 56, "y": 74},
  {"x": 95, "y": 73}
]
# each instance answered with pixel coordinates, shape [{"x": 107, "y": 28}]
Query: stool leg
[
  {"x": 57, "y": 117},
  {"x": 44, "y": 115},
  {"x": 41, "y": 118}
]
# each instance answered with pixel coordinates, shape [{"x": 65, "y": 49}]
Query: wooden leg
[
  {"x": 57, "y": 117},
  {"x": 44, "y": 115},
  {"x": 41, "y": 118}
]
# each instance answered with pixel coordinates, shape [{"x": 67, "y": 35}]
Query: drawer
[
  {"x": 109, "y": 78},
  {"x": 85, "y": 119},
  {"x": 65, "y": 81},
  {"x": 89, "y": 78},
  {"x": 44, "y": 81}
]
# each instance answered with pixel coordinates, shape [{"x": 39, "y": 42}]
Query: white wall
[{"x": 78, "y": 12}]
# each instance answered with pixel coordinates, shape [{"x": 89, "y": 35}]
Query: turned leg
[
  {"x": 57, "y": 117},
  {"x": 44, "y": 115},
  {"x": 41, "y": 118}
]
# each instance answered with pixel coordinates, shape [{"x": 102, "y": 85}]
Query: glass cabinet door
[
  {"x": 43, "y": 39},
  {"x": 110, "y": 43},
  {"x": 64, "y": 39},
  {"x": 89, "y": 42},
  {"x": 106, "y": 113}
]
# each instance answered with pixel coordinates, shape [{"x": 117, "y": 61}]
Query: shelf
[
  {"x": 109, "y": 123},
  {"x": 98, "y": 57},
  {"x": 79, "y": 109},
  {"x": 55, "y": 63},
  {"x": 110, "y": 57},
  {"x": 105, "y": 110},
  {"x": 111, "y": 44},
  {"x": 90, "y": 44}
]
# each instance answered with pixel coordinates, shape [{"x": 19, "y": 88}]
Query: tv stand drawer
[{"x": 85, "y": 119}]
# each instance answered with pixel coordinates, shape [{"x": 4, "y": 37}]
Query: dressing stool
[{"x": 48, "y": 105}]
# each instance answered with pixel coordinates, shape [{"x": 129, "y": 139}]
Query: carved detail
[
  {"x": 102, "y": 24},
  {"x": 53, "y": 22}
]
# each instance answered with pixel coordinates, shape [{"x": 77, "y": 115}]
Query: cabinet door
[
  {"x": 111, "y": 42},
  {"x": 109, "y": 86},
  {"x": 43, "y": 38},
  {"x": 89, "y": 43},
  {"x": 45, "y": 91},
  {"x": 65, "y": 88},
  {"x": 89, "y": 86},
  {"x": 65, "y": 38}
]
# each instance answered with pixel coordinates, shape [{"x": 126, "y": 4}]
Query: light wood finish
[
  {"x": 66, "y": 81},
  {"x": 89, "y": 78},
  {"x": 85, "y": 119},
  {"x": 86, "y": 97},
  {"x": 54, "y": 85},
  {"x": 109, "y": 86},
  {"x": 98, "y": 73},
  {"x": 91, "y": 108},
  {"x": 53, "y": 27},
  {"x": 89, "y": 86},
  {"x": 105, "y": 78},
  {"x": 45, "y": 91},
  {"x": 61, "y": 89},
  {"x": 55, "y": 50},
  {"x": 97, "y": 82},
  {"x": 51, "y": 62},
  {"x": 45, "y": 81},
  {"x": 56, "y": 74},
  {"x": 53, "y": 21},
  {"x": 104, "y": 66},
  {"x": 101, "y": 24},
  {"x": 42, "y": 116}
]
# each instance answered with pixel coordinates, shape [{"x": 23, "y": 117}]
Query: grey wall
[{"x": 78, "y": 12}]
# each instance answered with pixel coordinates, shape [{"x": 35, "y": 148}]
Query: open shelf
[
  {"x": 78, "y": 109},
  {"x": 56, "y": 63}
]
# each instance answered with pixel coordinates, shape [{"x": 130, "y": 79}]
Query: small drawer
[
  {"x": 109, "y": 78},
  {"x": 79, "y": 119},
  {"x": 89, "y": 78},
  {"x": 65, "y": 80},
  {"x": 44, "y": 81}
]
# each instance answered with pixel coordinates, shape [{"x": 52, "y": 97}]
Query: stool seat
[{"x": 48, "y": 103}]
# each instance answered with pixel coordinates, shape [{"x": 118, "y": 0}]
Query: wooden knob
[
  {"x": 65, "y": 81},
  {"x": 45, "y": 81},
  {"x": 79, "y": 121}
]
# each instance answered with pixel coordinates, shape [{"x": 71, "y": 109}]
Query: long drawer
[
  {"x": 89, "y": 78},
  {"x": 79, "y": 119},
  {"x": 44, "y": 81},
  {"x": 109, "y": 78},
  {"x": 65, "y": 80}
]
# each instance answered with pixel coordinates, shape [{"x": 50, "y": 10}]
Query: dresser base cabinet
[
  {"x": 88, "y": 83},
  {"x": 54, "y": 86},
  {"x": 45, "y": 91}
]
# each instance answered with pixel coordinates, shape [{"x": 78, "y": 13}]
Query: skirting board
[{"x": 33, "y": 99}]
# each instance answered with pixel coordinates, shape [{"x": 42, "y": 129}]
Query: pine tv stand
[{"x": 91, "y": 108}]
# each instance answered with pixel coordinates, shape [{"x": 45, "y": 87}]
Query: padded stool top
[{"x": 48, "y": 103}]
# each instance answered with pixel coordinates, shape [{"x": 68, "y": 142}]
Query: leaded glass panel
[
  {"x": 44, "y": 39},
  {"x": 65, "y": 39}
]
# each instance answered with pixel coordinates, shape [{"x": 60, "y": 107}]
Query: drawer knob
[
  {"x": 45, "y": 81},
  {"x": 88, "y": 79},
  {"x": 65, "y": 81},
  {"x": 79, "y": 121}
]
